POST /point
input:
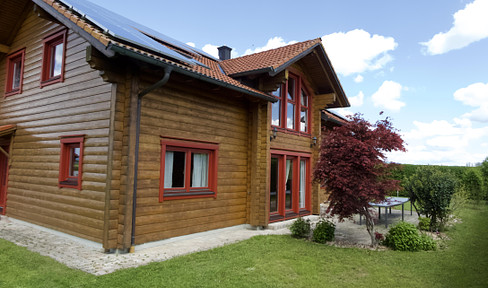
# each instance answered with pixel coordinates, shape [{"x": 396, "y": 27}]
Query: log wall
[
  {"x": 80, "y": 105},
  {"x": 189, "y": 111}
]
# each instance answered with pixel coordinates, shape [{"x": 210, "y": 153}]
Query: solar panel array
[{"x": 129, "y": 31}]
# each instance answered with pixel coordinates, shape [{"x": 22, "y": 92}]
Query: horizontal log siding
[
  {"x": 80, "y": 105},
  {"x": 196, "y": 115}
]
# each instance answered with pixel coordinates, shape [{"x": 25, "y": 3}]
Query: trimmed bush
[
  {"x": 300, "y": 228},
  {"x": 424, "y": 223},
  {"x": 324, "y": 231},
  {"x": 405, "y": 237}
]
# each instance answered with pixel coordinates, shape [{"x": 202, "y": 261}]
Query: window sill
[
  {"x": 13, "y": 92},
  {"x": 292, "y": 132},
  {"x": 69, "y": 183},
  {"x": 51, "y": 81},
  {"x": 175, "y": 195}
]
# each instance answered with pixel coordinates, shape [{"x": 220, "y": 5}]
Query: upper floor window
[
  {"x": 291, "y": 111},
  {"x": 53, "y": 58},
  {"x": 15, "y": 73},
  {"x": 188, "y": 169},
  {"x": 71, "y": 161}
]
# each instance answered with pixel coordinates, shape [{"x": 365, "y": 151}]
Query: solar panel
[{"x": 129, "y": 31}]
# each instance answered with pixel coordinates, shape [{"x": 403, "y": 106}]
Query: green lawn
[{"x": 279, "y": 261}]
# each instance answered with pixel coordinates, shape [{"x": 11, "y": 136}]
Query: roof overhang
[{"x": 7, "y": 129}]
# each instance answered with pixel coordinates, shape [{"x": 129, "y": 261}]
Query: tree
[
  {"x": 432, "y": 190},
  {"x": 473, "y": 185},
  {"x": 484, "y": 175},
  {"x": 353, "y": 169}
]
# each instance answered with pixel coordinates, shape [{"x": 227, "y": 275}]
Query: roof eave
[
  {"x": 341, "y": 95},
  {"x": 141, "y": 57},
  {"x": 68, "y": 23}
]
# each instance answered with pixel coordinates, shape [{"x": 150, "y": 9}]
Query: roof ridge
[{"x": 318, "y": 40}]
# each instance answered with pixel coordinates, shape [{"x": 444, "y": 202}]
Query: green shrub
[
  {"x": 324, "y": 231},
  {"x": 427, "y": 243},
  {"x": 300, "y": 228},
  {"x": 405, "y": 237},
  {"x": 424, "y": 223}
]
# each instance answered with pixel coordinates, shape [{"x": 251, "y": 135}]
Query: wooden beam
[
  {"x": 325, "y": 99},
  {"x": 4, "y": 152},
  {"x": 4, "y": 48}
]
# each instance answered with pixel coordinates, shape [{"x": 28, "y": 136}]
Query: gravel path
[{"x": 89, "y": 256}]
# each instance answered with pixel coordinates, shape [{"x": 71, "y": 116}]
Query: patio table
[{"x": 388, "y": 203}]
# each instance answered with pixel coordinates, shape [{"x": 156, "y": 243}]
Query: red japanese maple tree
[{"x": 352, "y": 167}]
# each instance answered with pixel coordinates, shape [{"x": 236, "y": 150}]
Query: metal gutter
[
  {"x": 160, "y": 83},
  {"x": 156, "y": 62}
]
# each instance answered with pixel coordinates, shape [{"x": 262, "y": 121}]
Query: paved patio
[{"x": 89, "y": 256}]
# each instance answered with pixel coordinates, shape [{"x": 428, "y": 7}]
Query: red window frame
[
  {"x": 295, "y": 210},
  {"x": 189, "y": 147},
  {"x": 282, "y": 96},
  {"x": 49, "y": 58},
  {"x": 13, "y": 59},
  {"x": 68, "y": 144}
]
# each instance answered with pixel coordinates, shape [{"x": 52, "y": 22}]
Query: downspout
[{"x": 160, "y": 83}]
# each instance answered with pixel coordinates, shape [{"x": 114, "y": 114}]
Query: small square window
[
  {"x": 71, "y": 161},
  {"x": 188, "y": 170},
  {"x": 15, "y": 73},
  {"x": 53, "y": 58}
]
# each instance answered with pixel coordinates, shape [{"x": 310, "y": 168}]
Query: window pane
[
  {"x": 175, "y": 168},
  {"x": 275, "y": 113},
  {"x": 16, "y": 74},
  {"x": 290, "y": 114},
  {"x": 273, "y": 191},
  {"x": 291, "y": 89},
  {"x": 289, "y": 184},
  {"x": 199, "y": 170},
  {"x": 74, "y": 162},
  {"x": 303, "y": 183},
  {"x": 303, "y": 120},
  {"x": 304, "y": 98},
  {"x": 57, "y": 59}
]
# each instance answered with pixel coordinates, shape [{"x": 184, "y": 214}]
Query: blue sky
[{"x": 424, "y": 63}]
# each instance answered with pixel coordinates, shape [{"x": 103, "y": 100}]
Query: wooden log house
[{"x": 115, "y": 133}]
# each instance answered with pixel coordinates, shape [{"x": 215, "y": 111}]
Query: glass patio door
[{"x": 289, "y": 189}]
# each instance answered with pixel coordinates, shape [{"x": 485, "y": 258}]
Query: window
[
  {"x": 53, "y": 58},
  {"x": 15, "y": 73},
  {"x": 289, "y": 195},
  {"x": 291, "y": 112},
  {"x": 71, "y": 161},
  {"x": 188, "y": 169}
]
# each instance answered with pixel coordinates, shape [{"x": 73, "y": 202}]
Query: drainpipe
[{"x": 160, "y": 83}]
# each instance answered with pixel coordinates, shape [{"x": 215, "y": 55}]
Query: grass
[{"x": 279, "y": 261}]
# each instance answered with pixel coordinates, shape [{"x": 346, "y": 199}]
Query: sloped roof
[
  {"x": 73, "y": 14},
  {"x": 270, "y": 60}
]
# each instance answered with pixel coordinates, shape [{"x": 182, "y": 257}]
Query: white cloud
[
  {"x": 359, "y": 79},
  {"x": 475, "y": 95},
  {"x": 273, "y": 43},
  {"x": 444, "y": 143},
  {"x": 388, "y": 96},
  {"x": 358, "y": 100},
  {"x": 191, "y": 44},
  {"x": 470, "y": 25},
  {"x": 211, "y": 49},
  {"x": 357, "y": 51}
]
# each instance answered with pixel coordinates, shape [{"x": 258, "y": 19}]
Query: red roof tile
[
  {"x": 270, "y": 59},
  {"x": 212, "y": 70}
]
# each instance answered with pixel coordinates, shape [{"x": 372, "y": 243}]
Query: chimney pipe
[{"x": 224, "y": 52}]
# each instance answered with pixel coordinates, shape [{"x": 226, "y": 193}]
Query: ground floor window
[
  {"x": 289, "y": 193},
  {"x": 71, "y": 161},
  {"x": 188, "y": 169}
]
